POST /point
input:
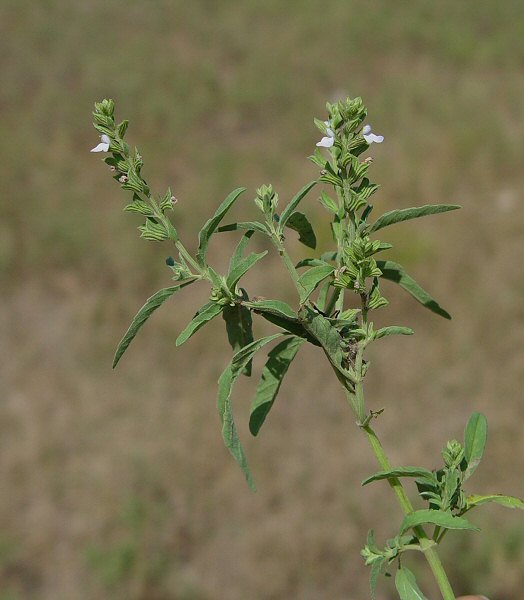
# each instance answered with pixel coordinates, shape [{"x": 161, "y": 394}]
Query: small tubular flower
[
  {"x": 104, "y": 144},
  {"x": 370, "y": 137},
  {"x": 328, "y": 140}
]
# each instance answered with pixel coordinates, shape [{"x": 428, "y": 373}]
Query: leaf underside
[
  {"x": 151, "y": 304},
  {"x": 207, "y": 312},
  {"x": 406, "y": 585},
  {"x": 392, "y": 271},
  {"x": 279, "y": 359},
  {"x": 225, "y": 385}
]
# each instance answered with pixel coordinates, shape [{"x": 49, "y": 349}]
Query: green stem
[
  {"x": 427, "y": 545},
  {"x": 289, "y": 265},
  {"x": 287, "y": 261}
]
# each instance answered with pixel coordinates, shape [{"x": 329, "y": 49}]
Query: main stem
[
  {"x": 356, "y": 401},
  {"x": 426, "y": 544}
]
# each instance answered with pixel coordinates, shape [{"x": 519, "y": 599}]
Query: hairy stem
[{"x": 427, "y": 545}]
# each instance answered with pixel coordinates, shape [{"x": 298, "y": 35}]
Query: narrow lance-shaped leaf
[
  {"x": 507, "y": 501},
  {"x": 404, "y": 214},
  {"x": 392, "y": 271},
  {"x": 376, "y": 568},
  {"x": 273, "y": 373},
  {"x": 143, "y": 315},
  {"x": 239, "y": 327},
  {"x": 282, "y": 315},
  {"x": 475, "y": 437},
  {"x": 210, "y": 226},
  {"x": 238, "y": 254},
  {"x": 290, "y": 208},
  {"x": 402, "y": 472},
  {"x": 249, "y": 225},
  {"x": 225, "y": 385},
  {"x": 309, "y": 280},
  {"x": 406, "y": 585},
  {"x": 276, "y": 307},
  {"x": 435, "y": 517},
  {"x": 310, "y": 262},
  {"x": 392, "y": 330},
  {"x": 299, "y": 223},
  {"x": 207, "y": 312},
  {"x": 241, "y": 268}
]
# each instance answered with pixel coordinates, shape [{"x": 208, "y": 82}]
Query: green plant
[{"x": 324, "y": 317}]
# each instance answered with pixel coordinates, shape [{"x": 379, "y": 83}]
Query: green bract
[{"x": 335, "y": 296}]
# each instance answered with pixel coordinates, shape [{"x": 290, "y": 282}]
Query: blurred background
[{"x": 115, "y": 484}]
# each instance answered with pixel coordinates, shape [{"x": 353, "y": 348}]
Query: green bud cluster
[
  {"x": 453, "y": 454},
  {"x": 267, "y": 201}
]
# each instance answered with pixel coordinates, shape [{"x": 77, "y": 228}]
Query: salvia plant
[{"x": 336, "y": 296}]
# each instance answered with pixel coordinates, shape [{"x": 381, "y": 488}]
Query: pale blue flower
[
  {"x": 104, "y": 144},
  {"x": 328, "y": 140},
  {"x": 370, "y": 137}
]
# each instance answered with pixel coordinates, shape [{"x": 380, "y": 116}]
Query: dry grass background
[{"x": 115, "y": 484}]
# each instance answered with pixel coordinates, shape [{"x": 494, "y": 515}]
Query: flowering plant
[{"x": 336, "y": 295}]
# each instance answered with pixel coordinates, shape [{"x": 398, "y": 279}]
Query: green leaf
[
  {"x": 309, "y": 280},
  {"x": 331, "y": 255},
  {"x": 225, "y": 385},
  {"x": 328, "y": 203},
  {"x": 507, "y": 501},
  {"x": 153, "y": 231},
  {"x": 210, "y": 226},
  {"x": 406, "y": 585},
  {"x": 475, "y": 437},
  {"x": 377, "y": 567},
  {"x": 299, "y": 223},
  {"x": 392, "y": 330},
  {"x": 404, "y": 214},
  {"x": 143, "y": 315},
  {"x": 205, "y": 314},
  {"x": 310, "y": 262},
  {"x": 282, "y": 315},
  {"x": 329, "y": 338},
  {"x": 402, "y": 472},
  {"x": 279, "y": 359},
  {"x": 241, "y": 269},
  {"x": 322, "y": 298},
  {"x": 139, "y": 206},
  {"x": 122, "y": 128},
  {"x": 290, "y": 208},
  {"x": 392, "y": 271},
  {"x": 249, "y": 225},
  {"x": 238, "y": 254},
  {"x": 435, "y": 517},
  {"x": 239, "y": 327},
  {"x": 384, "y": 246},
  {"x": 275, "y": 307}
]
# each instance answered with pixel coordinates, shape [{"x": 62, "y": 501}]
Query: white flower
[
  {"x": 370, "y": 137},
  {"x": 104, "y": 144},
  {"x": 329, "y": 140}
]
